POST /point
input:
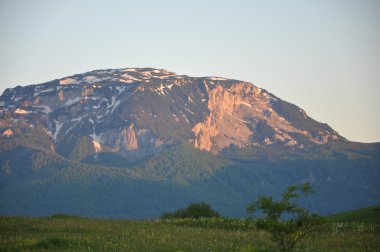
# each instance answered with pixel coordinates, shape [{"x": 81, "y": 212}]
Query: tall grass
[{"x": 67, "y": 233}]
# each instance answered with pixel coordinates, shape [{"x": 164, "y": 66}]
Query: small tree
[
  {"x": 194, "y": 211},
  {"x": 285, "y": 220}
]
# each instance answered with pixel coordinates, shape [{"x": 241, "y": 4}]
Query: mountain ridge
[
  {"x": 135, "y": 142},
  {"x": 154, "y": 108}
]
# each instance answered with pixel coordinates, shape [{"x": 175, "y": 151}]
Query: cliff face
[
  {"x": 130, "y": 142},
  {"x": 243, "y": 115},
  {"x": 138, "y": 112},
  {"x": 223, "y": 126}
]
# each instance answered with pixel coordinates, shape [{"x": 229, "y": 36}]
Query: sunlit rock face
[
  {"x": 137, "y": 112},
  {"x": 241, "y": 114}
]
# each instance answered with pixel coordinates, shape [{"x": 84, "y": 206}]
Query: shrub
[
  {"x": 286, "y": 233},
  {"x": 194, "y": 211}
]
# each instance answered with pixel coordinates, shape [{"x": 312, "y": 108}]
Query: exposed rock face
[
  {"x": 132, "y": 143},
  {"x": 222, "y": 127},
  {"x": 237, "y": 115},
  {"x": 129, "y": 138},
  {"x": 136, "y": 112},
  {"x": 8, "y": 133}
]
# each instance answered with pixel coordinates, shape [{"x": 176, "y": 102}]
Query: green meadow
[{"x": 69, "y": 233}]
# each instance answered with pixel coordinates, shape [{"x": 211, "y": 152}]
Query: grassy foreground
[{"x": 64, "y": 233}]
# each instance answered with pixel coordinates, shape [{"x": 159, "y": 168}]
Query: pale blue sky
[{"x": 321, "y": 55}]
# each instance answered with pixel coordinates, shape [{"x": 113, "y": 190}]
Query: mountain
[
  {"x": 364, "y": 215},
  {"x": 134, "y": 142}
]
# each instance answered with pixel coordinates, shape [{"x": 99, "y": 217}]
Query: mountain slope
[
  {"x": 138, "y": 112},
  {"x": 369, "y": 215},
  {"x": 135, "y": 142}
]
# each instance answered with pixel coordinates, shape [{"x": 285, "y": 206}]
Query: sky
[{"x": 322, "y": 55}]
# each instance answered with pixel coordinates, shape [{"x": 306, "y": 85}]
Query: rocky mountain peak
[
  {"x": 125, "y": 75},
  {"x": 136, "y": 112}
]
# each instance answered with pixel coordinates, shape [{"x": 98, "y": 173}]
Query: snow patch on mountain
[
  {"x": 96, "y": 137},
  {"x": 72, "y": 101},
  {"x": 21, "y": 111},
  {"x": 91, "y": 79},
  {"x": 120, "y": 89},
  {"x": 246, "y": 104},
  {"x": 45, "y": 109},
  {"x": 114, "y": 106},
  {"x": 129, "y": 70},
  {"x": 79, "y": 118},
  {"x": 160, "y": 90},
  {"x": 43, "y": 91},
  {"x": 17, "y": 99},
  {"x": 216, "y": 78},
  {"x": 128, "y": 78},
  {"x": 270, "y": 97},
  {"x": 100, "y": 103},
  {"x": 109, "y": 71},
  {"x": 58, "y": 127},
  {"x": 69, "y": 81}
]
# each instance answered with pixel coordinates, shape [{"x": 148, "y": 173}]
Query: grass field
[{"x": 65, "y": 233}]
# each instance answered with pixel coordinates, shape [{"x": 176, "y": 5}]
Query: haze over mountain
[{"x": 134, "y": 142}]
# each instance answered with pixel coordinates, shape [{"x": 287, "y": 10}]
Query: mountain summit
[
  {"x": 136, "y": 112},
  {"x": 136, "y": 142}
]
